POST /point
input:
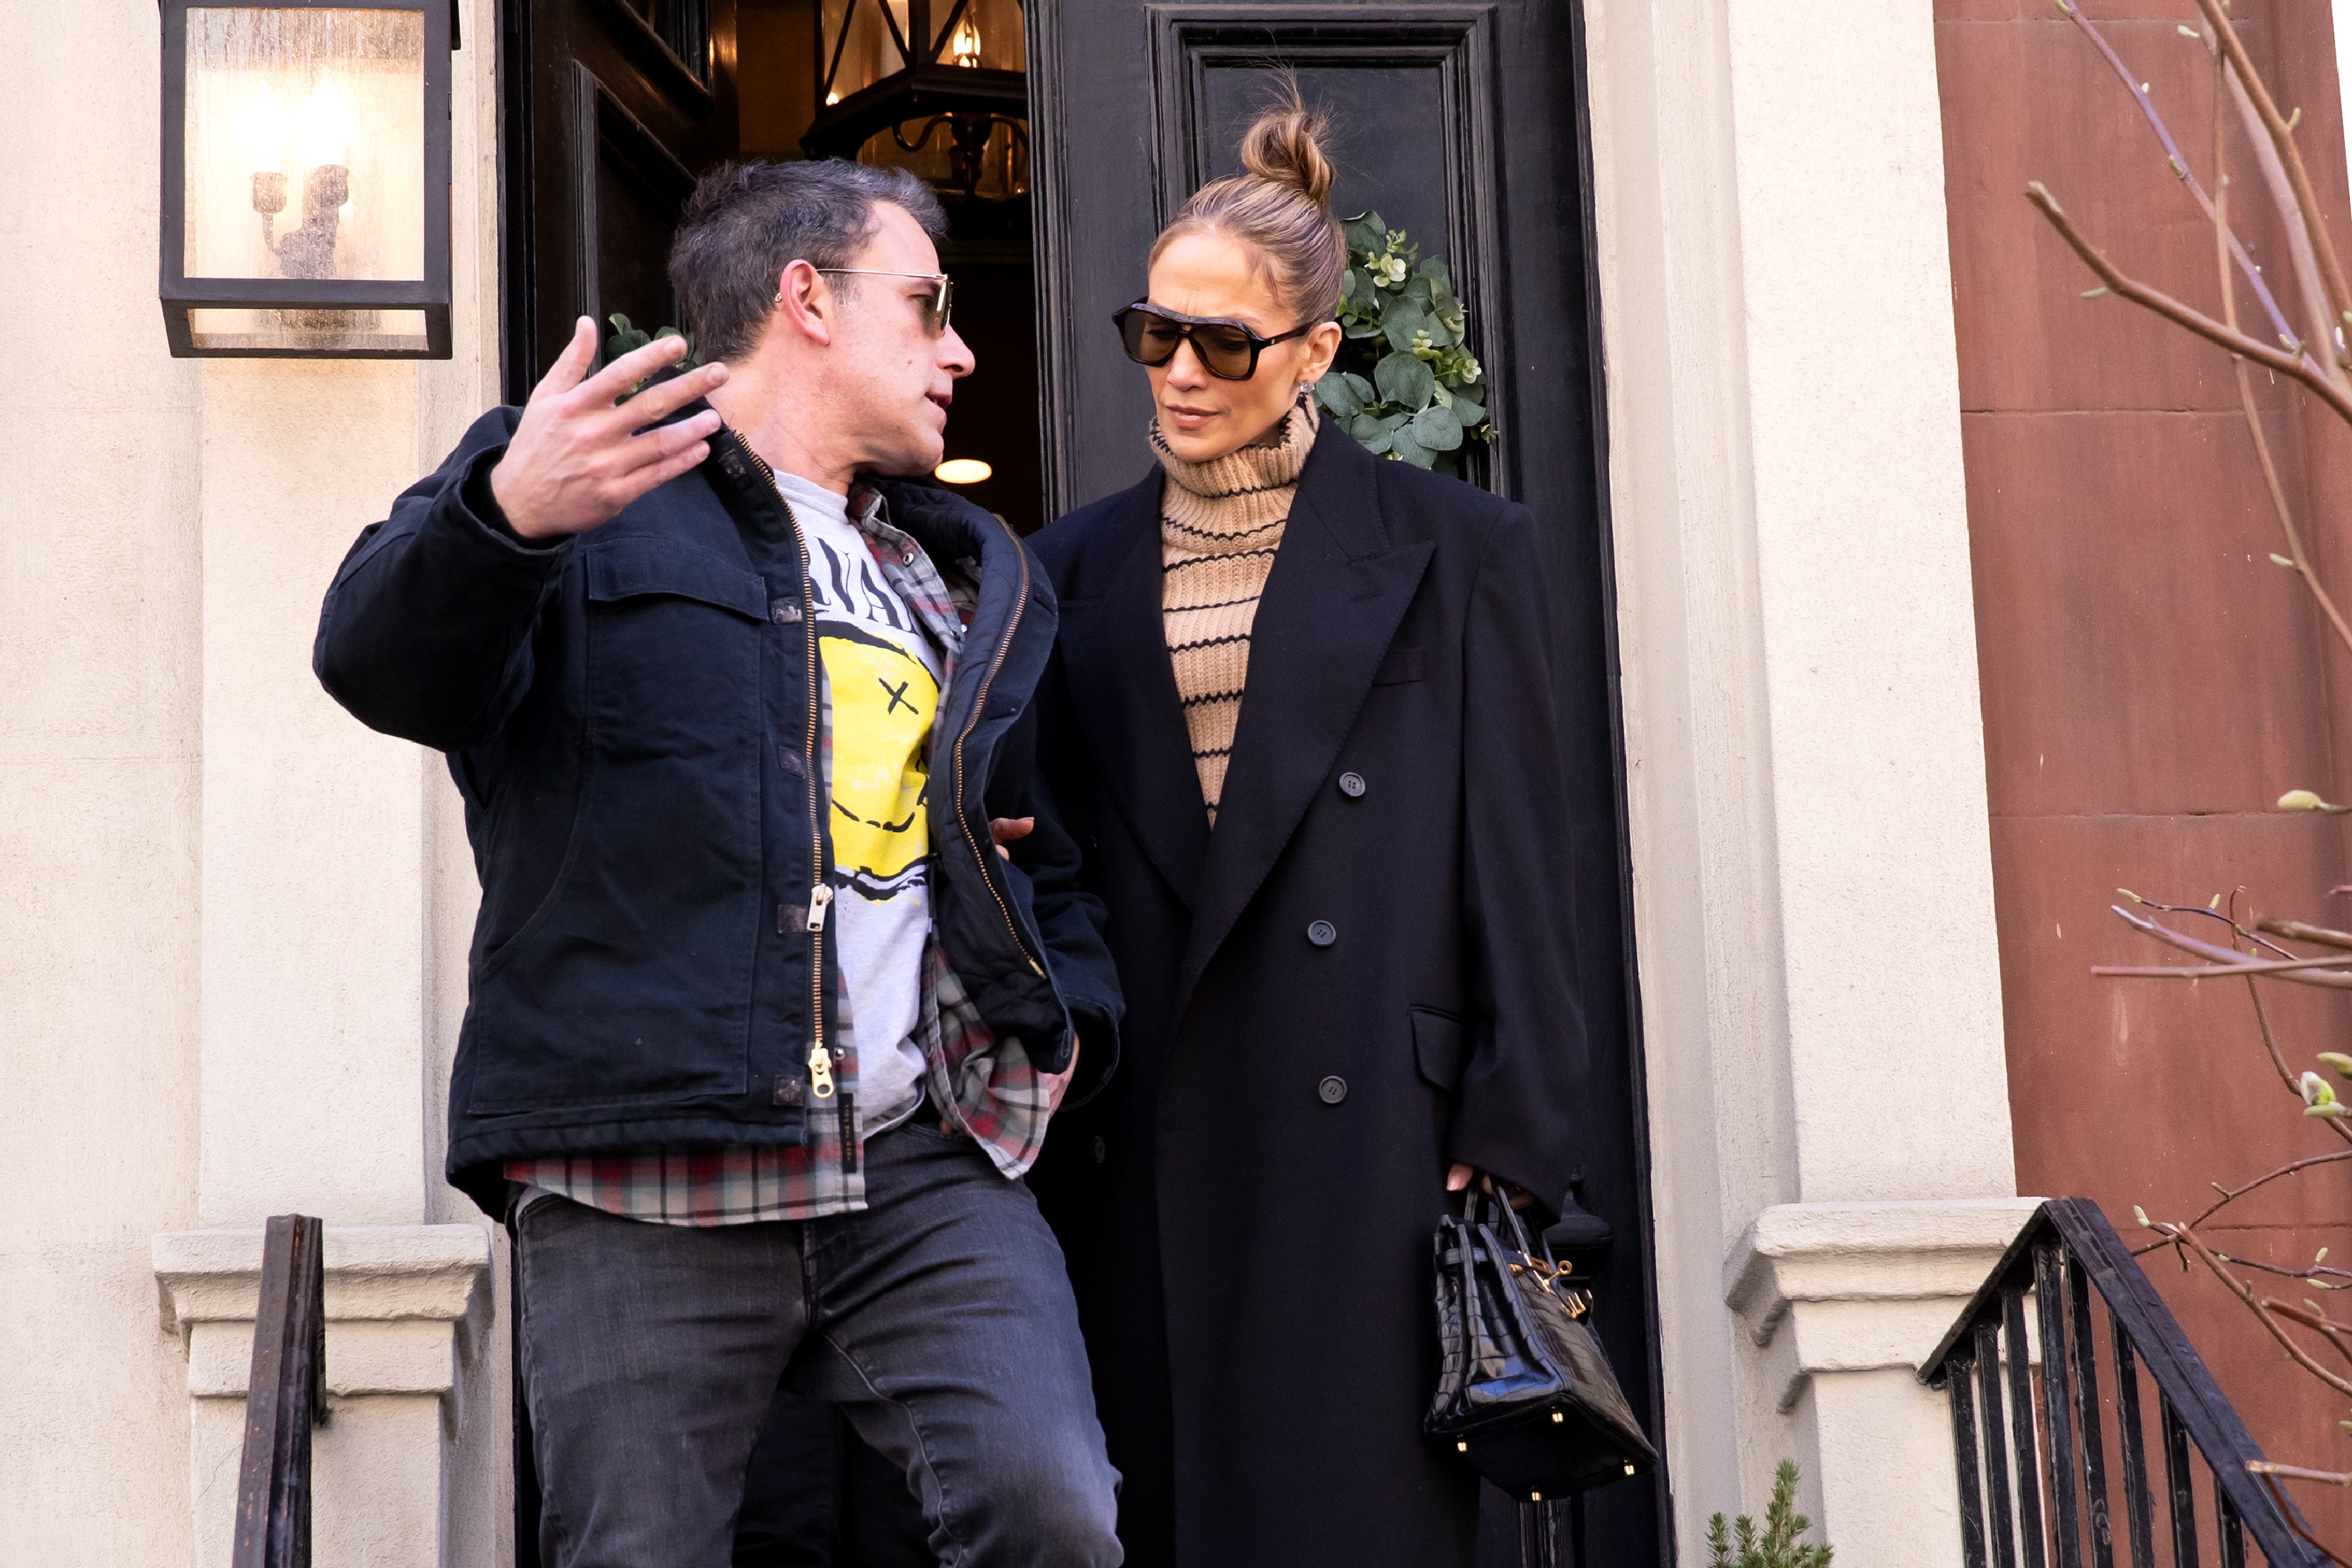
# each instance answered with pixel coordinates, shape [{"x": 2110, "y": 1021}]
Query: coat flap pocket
[
  {"x": 628, "y": 567},
  {"x": 1401, "y": 666},
  {"x": 1440, "y": 1042}
]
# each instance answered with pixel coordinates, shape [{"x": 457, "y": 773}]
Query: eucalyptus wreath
[{"x": 1403, "y": 382}]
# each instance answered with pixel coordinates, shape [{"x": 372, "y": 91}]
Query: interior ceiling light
[{"x": 961, "y": 471}]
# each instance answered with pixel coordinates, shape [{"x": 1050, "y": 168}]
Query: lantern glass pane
[
  {"x": 305, "y": 143},
  {"x": 221, "y": 331}
]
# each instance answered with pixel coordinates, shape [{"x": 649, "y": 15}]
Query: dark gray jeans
[{"x": 939, "y": 1319}]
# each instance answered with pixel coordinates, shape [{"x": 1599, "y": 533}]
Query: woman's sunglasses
[{"x": 1227, "y": 349}]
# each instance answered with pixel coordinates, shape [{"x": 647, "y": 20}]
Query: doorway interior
[{"x": 612, "y": 108}]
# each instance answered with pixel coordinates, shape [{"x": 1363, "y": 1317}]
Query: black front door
[
  {"x": 610, "y": 109},
  {"x": 1463, "y": 125}
]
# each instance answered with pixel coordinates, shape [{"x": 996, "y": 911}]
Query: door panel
[
  {"x": 1461, "y": 122},
  {"x": 619, "y": 105}
]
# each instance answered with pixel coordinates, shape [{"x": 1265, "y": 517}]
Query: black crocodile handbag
[{"x": 1524, "y": 1388}]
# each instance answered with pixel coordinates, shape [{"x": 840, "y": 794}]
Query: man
[{"x": 763, "y": 1029}]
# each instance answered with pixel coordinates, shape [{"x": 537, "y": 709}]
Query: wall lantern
[
  {"x": 306, "y": 179},
  {"x": 882, "y": 66}
]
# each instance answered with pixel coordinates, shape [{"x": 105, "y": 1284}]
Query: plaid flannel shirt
[{"x": 978, "y": 1082}]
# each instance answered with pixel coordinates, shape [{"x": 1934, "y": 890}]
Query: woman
[{"x": 1300, "y": 715}]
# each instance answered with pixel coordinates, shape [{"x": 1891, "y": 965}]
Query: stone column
[{"x": 1804, "y": 746}]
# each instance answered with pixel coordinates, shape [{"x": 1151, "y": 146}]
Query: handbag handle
[{"x": 1474, "y": 1201}]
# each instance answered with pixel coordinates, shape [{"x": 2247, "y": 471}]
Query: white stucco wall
[
  {"x": 99, "y": 809},
  {"x": 233, "y": 918}
]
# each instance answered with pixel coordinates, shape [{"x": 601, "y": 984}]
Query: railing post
[
  {"x": 1996, "y": 1454},
  {"x": 2021, "y": 1418},
  {"x": 2138, "y": 1507},
  {"x": 2087, "y": 1415},
  {"x": 2050, "y": 1305},
  {"x": 1966, "y": 1457},
  {"x": 2182, "y": 1499},
  {"x": 285, "y": 1399}
]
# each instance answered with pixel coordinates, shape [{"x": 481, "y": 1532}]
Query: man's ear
[{"x": 804, "y": 303}]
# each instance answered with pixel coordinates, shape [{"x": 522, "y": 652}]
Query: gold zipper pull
[
  {"x": 820, "y": 899},
  {"x": 820, "y": 1067}
]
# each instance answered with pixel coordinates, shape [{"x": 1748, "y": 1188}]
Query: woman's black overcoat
[{"x": 1366, "y": 972}]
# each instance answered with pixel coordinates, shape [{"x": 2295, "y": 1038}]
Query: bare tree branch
[
  {"x": 2331, "y": 273},
  {"x": 2173, "y": 310},
  {"x": 2252, "y": 274},
  {"x": 2296, "y": 931}
]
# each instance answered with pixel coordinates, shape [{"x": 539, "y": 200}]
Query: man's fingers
[
  {"x": 652, "y": 475},
  {"x": 660, "y": 402},
  {"x": 607, "y": 384},
  {"x": 660, "y": 444},
  {"x": 1005, "y": 829},
  {"x": 1457, "y": 1178},
  {"x": 570, "y": 364}
]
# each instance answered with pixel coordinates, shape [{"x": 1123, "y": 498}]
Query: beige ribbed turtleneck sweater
[{"x": 1220, "y": 524}]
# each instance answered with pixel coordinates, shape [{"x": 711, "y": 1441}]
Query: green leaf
[
  {"x": 1364, "y": 330},
  {"x": 1434, "y": 270},
  {"x": 1364, "y": 232},
  {"x": 1405, "y": 318},
  {"x": 1437, "y": 429},
  {"x": 620, "y": 322},
  {"x": 1337, "y": 397},
  {"x": 1467, "y": 412},
  {"x": 1362, "y": 388},
  {"x": 1370, "y": 432},
  {"x": 1403, "y": 444},
  {"x": 1403, "y": 379}
]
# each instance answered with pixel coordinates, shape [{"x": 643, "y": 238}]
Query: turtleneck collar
[{"x": 1241, "y": 480}]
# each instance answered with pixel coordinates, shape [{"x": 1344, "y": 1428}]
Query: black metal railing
[
  {"x": 285, "y": 1397},
  {"x": 2038, "y": 1472}
]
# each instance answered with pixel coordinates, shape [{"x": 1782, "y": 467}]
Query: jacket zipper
[
  {"x": 980, "y": 706},
  {"x": 820, "y": 1060}
]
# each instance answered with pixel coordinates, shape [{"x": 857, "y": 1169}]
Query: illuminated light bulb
[
  {"x": 831, "y": 99},
  {"x": 966, "y": 43},
  {"x": 961, "y": 471},
  {"x": 329, "y": 123},
  {"x": 263, "y": 125}
]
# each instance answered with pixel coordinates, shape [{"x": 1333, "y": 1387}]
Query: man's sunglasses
[
  {"x": 1227, "y": 349},
  {"x": 936, "y": 304}
]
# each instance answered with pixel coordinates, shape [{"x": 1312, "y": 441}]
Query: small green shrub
[{"x": 1738, "y": 1546}]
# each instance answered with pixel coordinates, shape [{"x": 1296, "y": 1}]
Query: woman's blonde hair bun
[
  {"x": 1285, "y": 146},
  {"x": 1279, "y": 206}
]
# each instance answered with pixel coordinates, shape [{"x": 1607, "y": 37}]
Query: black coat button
[
  {"x": 1351, "y": 786},
  {"x": 1322, "y": 933},
  {"x": 1102, "y": 1149},
  {"x": 1331, "y": 1090}
]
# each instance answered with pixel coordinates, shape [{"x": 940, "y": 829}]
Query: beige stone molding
[
  {"x": 1861, "y": 1287},
  {"x": 402, "y": 1302}
]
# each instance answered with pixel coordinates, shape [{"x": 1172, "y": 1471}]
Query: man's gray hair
[{"x": 746, "y": 221}]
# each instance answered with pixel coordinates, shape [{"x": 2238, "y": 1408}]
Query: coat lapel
[
  {"x": 1333, "y": 602},
  {"x": 1115, "y": 654}
]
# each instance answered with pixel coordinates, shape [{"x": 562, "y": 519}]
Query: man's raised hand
[{"x": 581, "y": 454}]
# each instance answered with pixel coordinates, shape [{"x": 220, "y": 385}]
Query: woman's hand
[{"x": 1458, "y": 1179}]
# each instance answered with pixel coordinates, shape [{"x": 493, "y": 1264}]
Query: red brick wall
[{"x": 2151, "y": 681}]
